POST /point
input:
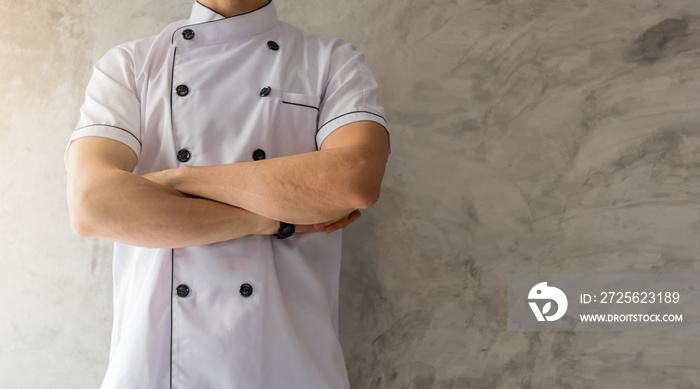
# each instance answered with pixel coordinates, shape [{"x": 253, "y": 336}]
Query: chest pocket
[{"x": 296, "y": 124}]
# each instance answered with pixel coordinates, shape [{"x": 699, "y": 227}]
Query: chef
[{"x": 224, "y": 156}]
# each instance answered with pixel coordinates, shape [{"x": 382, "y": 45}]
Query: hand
[
  {"x": 338, "y": 224},
  {"x": 328, "y": 227}
]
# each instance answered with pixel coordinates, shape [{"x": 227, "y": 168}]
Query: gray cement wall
[{"x": 542, "y": 136}]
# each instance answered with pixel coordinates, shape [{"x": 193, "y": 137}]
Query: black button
[
  {"x": 246, "y": 290},
  {"x": 182, "y": 290},
  {"x": 258, "y": 154},
  {"x": 183, "y": 155},
  {"x": 182, "y": 90},
  {"x": 272, "y": 45},
  {"x": 265, "y": 91},
  {"x": 188, "y": 34}
]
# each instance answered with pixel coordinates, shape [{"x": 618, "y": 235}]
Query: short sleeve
[
  {"x": 351, "y": 93},
  {"x": 111, "y": 108}
]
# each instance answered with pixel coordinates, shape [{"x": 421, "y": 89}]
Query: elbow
[
  {"x": 365, "y": 196},
  {"x": 79, "y": 226},
  {"x": 79, "y": 213},
  {"x": 366, "y": 185}
]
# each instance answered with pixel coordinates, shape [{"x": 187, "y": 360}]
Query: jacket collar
[
  {"x": 210, "y": 27},
  {"x": 202, "y": 14}
]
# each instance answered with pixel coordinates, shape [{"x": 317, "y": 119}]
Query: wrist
[
  {"x": 178, "y": 177},
  {"x": 184, "y": 179},
  {"x": 267, "y": 226}
]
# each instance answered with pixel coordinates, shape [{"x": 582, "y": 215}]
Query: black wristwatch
[{"x": 285, "y": 231}]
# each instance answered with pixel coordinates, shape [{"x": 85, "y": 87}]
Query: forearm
[
  {"x": 127, "y": 208},
  {"x": 303, "y": 189}
]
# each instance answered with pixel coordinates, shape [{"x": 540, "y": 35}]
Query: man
[{"x": 223, "y": 156}]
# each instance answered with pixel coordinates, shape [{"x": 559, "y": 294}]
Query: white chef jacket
[{"x": 254, "y": 312}]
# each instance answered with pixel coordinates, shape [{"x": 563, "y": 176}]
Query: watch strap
[{"x": 285, "y": 231}]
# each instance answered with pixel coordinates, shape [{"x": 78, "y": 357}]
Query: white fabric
[{"x": 285, "y": 334}]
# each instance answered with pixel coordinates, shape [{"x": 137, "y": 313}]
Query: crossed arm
[{"x": 318, "y": 191}]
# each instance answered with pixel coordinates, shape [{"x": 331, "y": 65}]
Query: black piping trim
[
  {"x": 172, "y": 276},
  {"x": 172, "y": 82},
  {"x": 107, "y": 125},
  {"x": 172, "y": 39},
  {"x": 338, "y": 117},
  {"x": 301, "y": 105}
]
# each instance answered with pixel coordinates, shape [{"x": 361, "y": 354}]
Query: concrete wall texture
[{"x": 528, "y": 136}]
